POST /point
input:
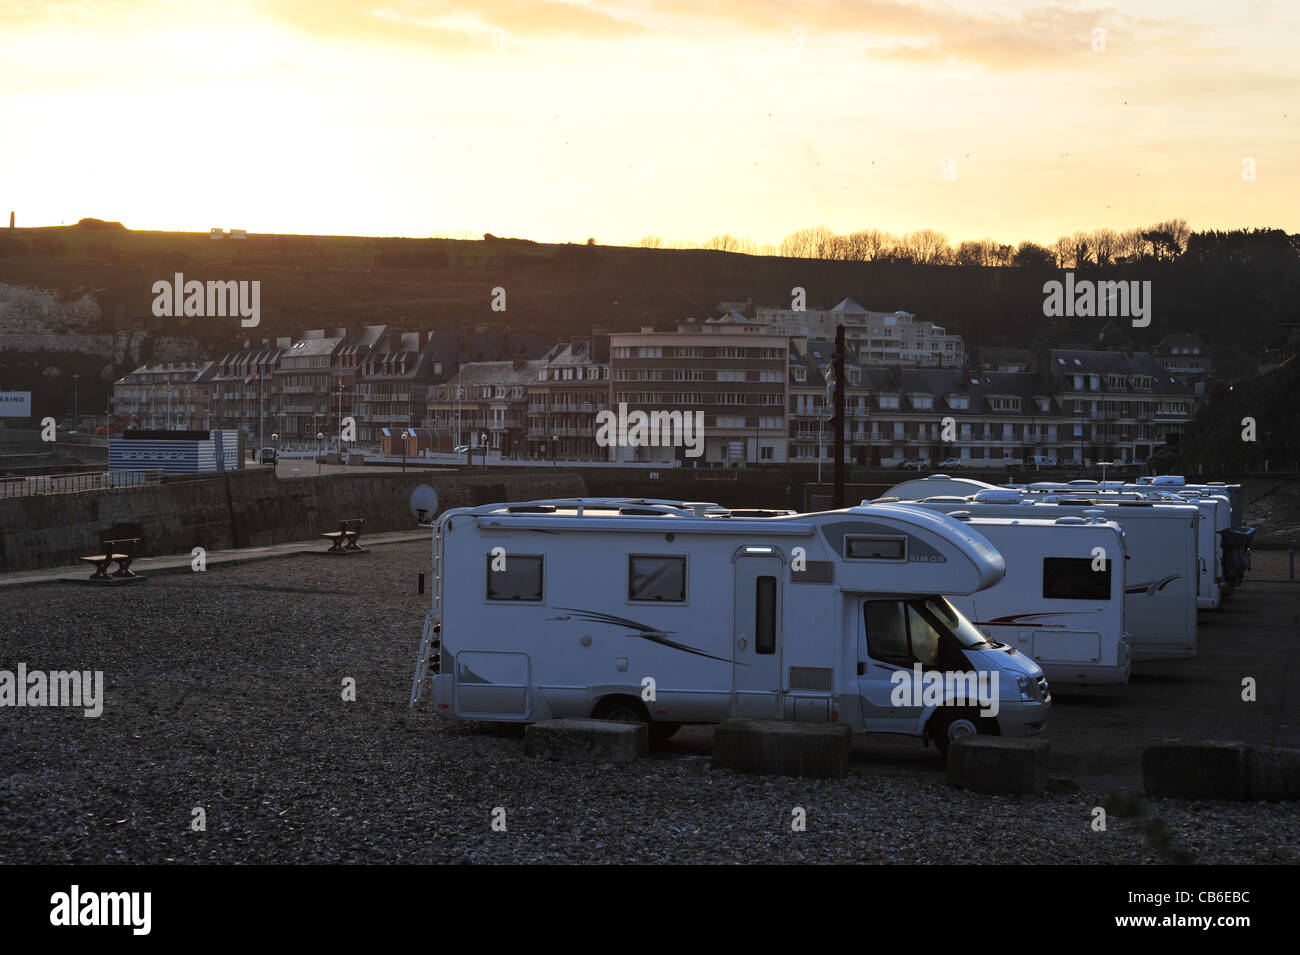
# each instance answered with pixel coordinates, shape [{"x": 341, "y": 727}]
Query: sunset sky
[{"x": 682, "y": 118}]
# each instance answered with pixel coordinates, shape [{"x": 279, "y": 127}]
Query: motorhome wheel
[
  {"x": 952, "y": 725},
  {"x": 631, "y": 711}
]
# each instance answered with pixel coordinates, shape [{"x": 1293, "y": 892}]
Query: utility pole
[
  {"x": 76, "y": 400},
  {"x": 838, "y": 378}
]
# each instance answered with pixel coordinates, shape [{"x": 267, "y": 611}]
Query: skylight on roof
[
  {"x": 974, "y": 381},
  {"x": 1077, "y": 363}
]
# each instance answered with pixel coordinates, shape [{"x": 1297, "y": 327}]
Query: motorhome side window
[
  {"x": 514, "y": 577},
  {"x": 656, "y": 578},
  {"x": 875, "y": 548},
  {"x": 1073, "y": 578}
]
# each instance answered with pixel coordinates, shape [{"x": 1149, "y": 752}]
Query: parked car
[
  {"x": 948, "y": 463},
  {"x": 916, "y": 464},
  {"x": 461, "y": 448},
  {"x": 269, "y": 456}
]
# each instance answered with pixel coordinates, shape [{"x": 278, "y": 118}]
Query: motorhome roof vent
[
  {"x": 959, "y": 515},
  {"x": 1095, "y": 514},
  {"x": 640, "y": 512},
  {"x": 531, "y": 509},
  {"x": 997, "y": 495},
  {"x": 1082, "y": 483},
  {"x": 1168, "y": 479},
  {"x": 1071, "y": 520},
  {"x": 936, "y": 477},
  {"x": 944, "y": 499}
]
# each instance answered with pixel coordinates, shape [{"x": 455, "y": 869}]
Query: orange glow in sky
[{"x": 560, "y": 120}]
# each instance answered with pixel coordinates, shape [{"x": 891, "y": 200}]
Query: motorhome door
[{"x": 756, "y": 643}]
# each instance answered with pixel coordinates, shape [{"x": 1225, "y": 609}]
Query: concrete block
[
  {"x": 1194, "y": 769},
  {"x": 1272, "y": 773},
  {"x": 769, "y": 747},
  {"x": 999, "y": 765},
  {"x": 587, "y": 741}
]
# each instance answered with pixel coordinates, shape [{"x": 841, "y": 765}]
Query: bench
[
  {"x": 345, "y": 538},
  {"x": 121, "y": 549}
]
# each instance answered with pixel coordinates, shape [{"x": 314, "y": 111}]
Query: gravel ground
[{"x": 224, "y": 691}]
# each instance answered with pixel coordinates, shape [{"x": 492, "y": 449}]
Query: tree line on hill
[{"x": 1164, "y": 241}]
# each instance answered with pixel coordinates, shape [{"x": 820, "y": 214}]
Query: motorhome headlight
[{"x": 1028, "y": 688}]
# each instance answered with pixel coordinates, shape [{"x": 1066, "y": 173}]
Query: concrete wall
[{"x": 245, "y": 508}]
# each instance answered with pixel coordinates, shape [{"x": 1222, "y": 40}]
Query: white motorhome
[
  {"x": 1214, "y": 518},
  {"x": 1062, "y": 599},
  {"x": 1161, "y": 573},
  {"x": 935, "y": 484},
  {"x": 671, "y": 614}
]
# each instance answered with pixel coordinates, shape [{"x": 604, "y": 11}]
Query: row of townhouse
[
  {"x": 761, "y": 397},
  {"x": 293, "y": 389},
  {"x": 1068, "y": 406}
]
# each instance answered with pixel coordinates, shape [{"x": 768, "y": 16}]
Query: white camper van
[
  {"x": 1161, "y": 572},
  {"x": 1062, "y": 599},
  {"x": 664, "y": 613},
  {"x": 1214, "y": 517}
]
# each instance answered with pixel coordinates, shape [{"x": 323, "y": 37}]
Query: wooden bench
[
  {"x": 345, "y": 538},
  {"x": 123, "y": 550}
]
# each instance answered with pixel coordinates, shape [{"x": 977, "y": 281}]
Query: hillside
[
  {"x": 95, "y": 281},
  {"x": 1214, "y": 440}
]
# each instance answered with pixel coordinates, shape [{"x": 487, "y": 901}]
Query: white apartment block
[{"x": 875, "y": 338}]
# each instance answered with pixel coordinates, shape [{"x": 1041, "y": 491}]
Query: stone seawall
[{"x": 245, "y": 508}]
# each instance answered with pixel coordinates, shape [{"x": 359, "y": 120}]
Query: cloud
[
  {"x": 450, "y": 25},
  {"x": 1047, "y": 35}
]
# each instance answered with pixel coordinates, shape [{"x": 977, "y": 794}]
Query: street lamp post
[
  {"x": 555, "y": 448},
  {"x": 320, "y": 437},
  {"x": 340, "y": 415},
  {"x": 404, "y": 435}
]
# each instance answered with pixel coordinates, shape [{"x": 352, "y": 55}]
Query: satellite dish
[{"x": 424, "y": 504}]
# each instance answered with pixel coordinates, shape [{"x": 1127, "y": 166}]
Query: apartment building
[
  {"x": 304, "y": 383},
  {"x": 485, "y": 404},
  {"x": 1183, "y": 355},
  {"x": 394, "y": 376},
  {"x": 875, "y": 338},
  {"x": 243, "y": 391},
  {"x": 172, "y": 396},
  {"x": 897, "y": 414},
  {"x": 737, "y": 379},
  {"x": 572, "y": 386},
  {"x": 1118, "y": 405}
]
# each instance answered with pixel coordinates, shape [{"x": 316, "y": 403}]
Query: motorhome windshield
[{"x": 940, "y": 610}]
